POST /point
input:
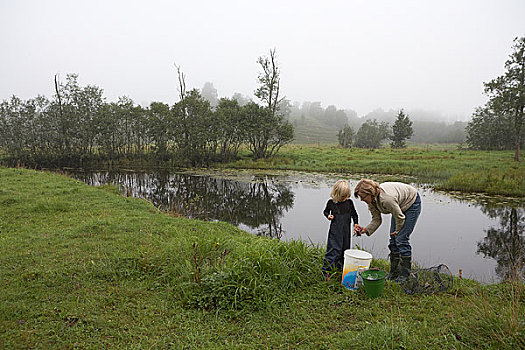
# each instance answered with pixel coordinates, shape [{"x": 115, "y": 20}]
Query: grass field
[
  {"x": 315, "y": 132},
  {"x": 83, "y": 267},
  {"x": 491, "y": 172}
]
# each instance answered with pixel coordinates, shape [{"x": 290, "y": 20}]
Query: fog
[{"x": 359, "y": 55}]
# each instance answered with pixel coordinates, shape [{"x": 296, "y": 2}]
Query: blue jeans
[{"x": 400, "y": 243}]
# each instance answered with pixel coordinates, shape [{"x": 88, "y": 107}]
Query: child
[{"x": 340, "y": 211}]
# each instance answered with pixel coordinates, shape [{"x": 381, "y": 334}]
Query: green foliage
[
  {"x": 160, "y": 125},
  {"x": 269, "y": 82},
  {"x": 266, "y": 129},
  {"x": 230, "y": 136},
  {"x": 266, "y": 133},
  {"x": 346, "y": 136},
  {"x": 401, "y": 130},
  {"x": 371, "y": 134},
  {"x": 258, "y": 276},
  {"x": 194, "y": 129},
  {"x": 496, "y": 181},
  {"x": 314, "y": 115},
  {"x": 504, "y": 113},
  {"x": 78, "y": 128}
]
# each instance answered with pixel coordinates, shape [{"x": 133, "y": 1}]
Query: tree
[
  {"x": 329, "y": 115},
  {"x": 285, "y": 108},
  {"x": 230, "y": 134},
  {"x": 401, "y": 130},
  {"x": 506, "y": 243},
  {"x": 241, "y": 99},
  {"x": 110, "y": 137},
  {"x": 341, "y": 118},
  {"x": 372, "y": 133},
  {"x": 506, "y": 101},
  {"x": 16, "y": 117},
  {"x": 269, "y": 82},
  {"x": 195, "y": 132},
  {"x": 265, "y": 133},
  {"x": 267, "y": 129},
  {"x": 335, "y": 117},
  {"x": 159, "y": 127},
  {"x": 487, "y": 130},
  {"x": 314, "y": 110},
  {"x": 79, "y": 107},
  {"x": 346, "y": 136},
  {"x": 209, "y": 93}
]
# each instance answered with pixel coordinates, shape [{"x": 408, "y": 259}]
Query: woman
[{"x": 403, "y": 202}]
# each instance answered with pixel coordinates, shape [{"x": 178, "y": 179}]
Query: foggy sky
[{"x": 361, "y": 55}]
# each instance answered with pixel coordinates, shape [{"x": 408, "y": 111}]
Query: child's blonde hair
[
  {"x": 367, "y": 187},
  {"x": 341, "y": 191}
]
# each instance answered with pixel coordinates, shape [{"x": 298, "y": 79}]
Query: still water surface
[{"x": 484, "y": 237}]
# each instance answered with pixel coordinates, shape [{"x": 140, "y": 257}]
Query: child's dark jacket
[{"x": 339, "y": 235}]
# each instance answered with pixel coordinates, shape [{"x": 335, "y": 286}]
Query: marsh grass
[
  {"x": 491, "y": 172},
  {"x": 82, "y": 267}
]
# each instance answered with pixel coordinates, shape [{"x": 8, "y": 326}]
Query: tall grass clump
[
  {"x": 255, "y": 276},
  {"x": 491, "y": 181},
  {"x": 489, "y": 322}
]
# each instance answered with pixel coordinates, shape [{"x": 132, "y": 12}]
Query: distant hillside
[
  {"x": 310, "y": 131},
  {"x": 313, "y": 131}
]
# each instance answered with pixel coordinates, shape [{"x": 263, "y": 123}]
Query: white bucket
[{"x": 355, "y": 261}]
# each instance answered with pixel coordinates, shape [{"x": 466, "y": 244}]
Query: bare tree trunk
[
  {"x": 182, "y": 83},
  {"x": 62, "y": 145}
]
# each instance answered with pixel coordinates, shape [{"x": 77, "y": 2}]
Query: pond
[{"x": 481, "y": 236}]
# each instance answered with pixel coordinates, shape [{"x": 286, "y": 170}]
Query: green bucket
[{"x": 373, "y": 280}]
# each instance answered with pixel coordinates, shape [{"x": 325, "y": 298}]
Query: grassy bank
[
  {"x": 491, "y": 172},
  {"x": 82, "y": 267}
]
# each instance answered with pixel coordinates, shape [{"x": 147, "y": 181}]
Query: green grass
[
  {"x": 82, "y": 267},
  {"x": 490, "y": 172}
]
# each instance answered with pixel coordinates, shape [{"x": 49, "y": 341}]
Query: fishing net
[{"x": 428, "y": 281}]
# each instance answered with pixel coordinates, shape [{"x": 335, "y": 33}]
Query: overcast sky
[{"x": 362, "y": 55}]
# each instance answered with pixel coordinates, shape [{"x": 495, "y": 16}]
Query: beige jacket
[{"x": 395, "y": 198}]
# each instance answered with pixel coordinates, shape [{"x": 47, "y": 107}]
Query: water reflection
[
  {"x": 506, "y": 243},
  {"x": 483, "y": 238},
  {"x": 258, "y": 204}
]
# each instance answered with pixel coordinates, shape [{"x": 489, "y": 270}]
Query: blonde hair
[
  {"x": 341, "y": 191},
  {"x": 367, "y": 187}
]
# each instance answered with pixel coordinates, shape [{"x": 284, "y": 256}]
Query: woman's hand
[{"x": 394, "y": 233}]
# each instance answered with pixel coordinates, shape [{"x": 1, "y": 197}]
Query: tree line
[
  {"x": 428, "y": 126},
  {"x": 78, "y": 126},
  {"x": 372, "y": 133}
]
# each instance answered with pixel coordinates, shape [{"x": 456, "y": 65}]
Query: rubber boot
[
  {"x": 406, "y": 265},
  {"x": 395, "y": 268}
]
